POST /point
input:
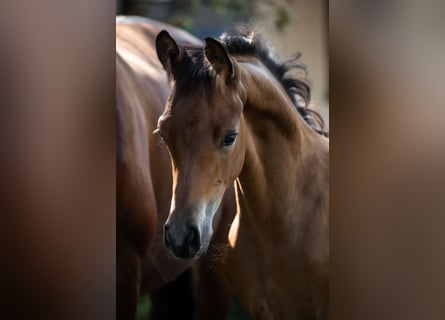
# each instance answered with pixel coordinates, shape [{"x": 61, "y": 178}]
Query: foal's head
[{"x": 201, "y": 126}]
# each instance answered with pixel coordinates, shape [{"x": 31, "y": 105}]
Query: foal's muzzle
[{"x": 186, "y": 244}]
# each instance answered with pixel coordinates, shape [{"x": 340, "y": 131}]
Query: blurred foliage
[
  {"x": 182, "y": 21},
  {"x": 143, "y": 307},
  {"x": 239, "y": 9},
  {"x": 229, "y": 8},
  {"x": 282, "y": 19},
  {"x": 236, "y": 313},
  {"x": 183, "y": 13}
]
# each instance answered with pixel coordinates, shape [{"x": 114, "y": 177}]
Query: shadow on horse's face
[{"x": 204, "y": 136}]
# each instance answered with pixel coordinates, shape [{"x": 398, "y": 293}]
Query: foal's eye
[{"x": 229, "y": 139}]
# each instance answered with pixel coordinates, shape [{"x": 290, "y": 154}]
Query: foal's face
[
  {"x": 202, "y": 126},
  {"x": 204, "y": 136}
]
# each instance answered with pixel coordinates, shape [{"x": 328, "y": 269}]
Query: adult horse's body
[
  {"x": 232, "y": 117},
  {"x": 144, "y": 182}
]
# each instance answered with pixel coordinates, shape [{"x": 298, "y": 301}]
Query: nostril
[
  {"x": 192, "y": 238},
  {"x": 167, "y": 237}
]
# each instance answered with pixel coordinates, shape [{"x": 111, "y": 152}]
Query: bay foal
[{"x": 235, "y": 116}]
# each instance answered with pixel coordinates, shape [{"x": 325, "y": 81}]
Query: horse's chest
[
  {"x": 268, "y": 288},
  {"x": 280, "y": 286},
  {"x": 266, "y": 307}
]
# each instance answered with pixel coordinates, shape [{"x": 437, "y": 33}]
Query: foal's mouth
[{"x": 185, "y": 253}]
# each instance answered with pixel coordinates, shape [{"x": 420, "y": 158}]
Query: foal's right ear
[
  {"x": 168, "y": 53},
  {"x": 218, "y": 57}
]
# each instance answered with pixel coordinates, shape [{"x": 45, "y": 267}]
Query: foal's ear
[
  {"x": 218, "y": 57},
  {"x": 168, "y": 52}
]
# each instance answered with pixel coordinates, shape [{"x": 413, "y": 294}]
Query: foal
[{"x": 233, "y": 117}]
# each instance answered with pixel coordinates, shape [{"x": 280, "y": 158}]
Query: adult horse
[
  {"x": 235, "y": 115},
  {"x": 144, "y": 181}
]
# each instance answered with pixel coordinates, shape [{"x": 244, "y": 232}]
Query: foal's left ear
[{"x": 219, "y": 58}]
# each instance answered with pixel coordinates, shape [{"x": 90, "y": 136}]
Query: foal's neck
[{"x": 285, "y": 172}]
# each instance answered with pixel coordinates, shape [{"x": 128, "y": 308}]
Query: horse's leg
[
  {"x": 128, "y": 267},
  {"x": 175, "y": 300}
]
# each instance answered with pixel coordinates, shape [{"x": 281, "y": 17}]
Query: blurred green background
[{"x": 236, "y": 313}]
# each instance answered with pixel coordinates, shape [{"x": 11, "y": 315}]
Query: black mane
[{"x": 244, "y": 41}]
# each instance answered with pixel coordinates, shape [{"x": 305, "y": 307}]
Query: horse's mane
[{"x": 245, "y": 41}]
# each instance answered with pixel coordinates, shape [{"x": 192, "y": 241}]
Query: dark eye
[{"x": 229, "y": 139}]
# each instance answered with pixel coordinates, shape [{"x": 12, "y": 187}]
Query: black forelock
[{"x": 194, "y": 73}]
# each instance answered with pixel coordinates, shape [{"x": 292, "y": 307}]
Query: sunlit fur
[{"x": 278, "y": 265}]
